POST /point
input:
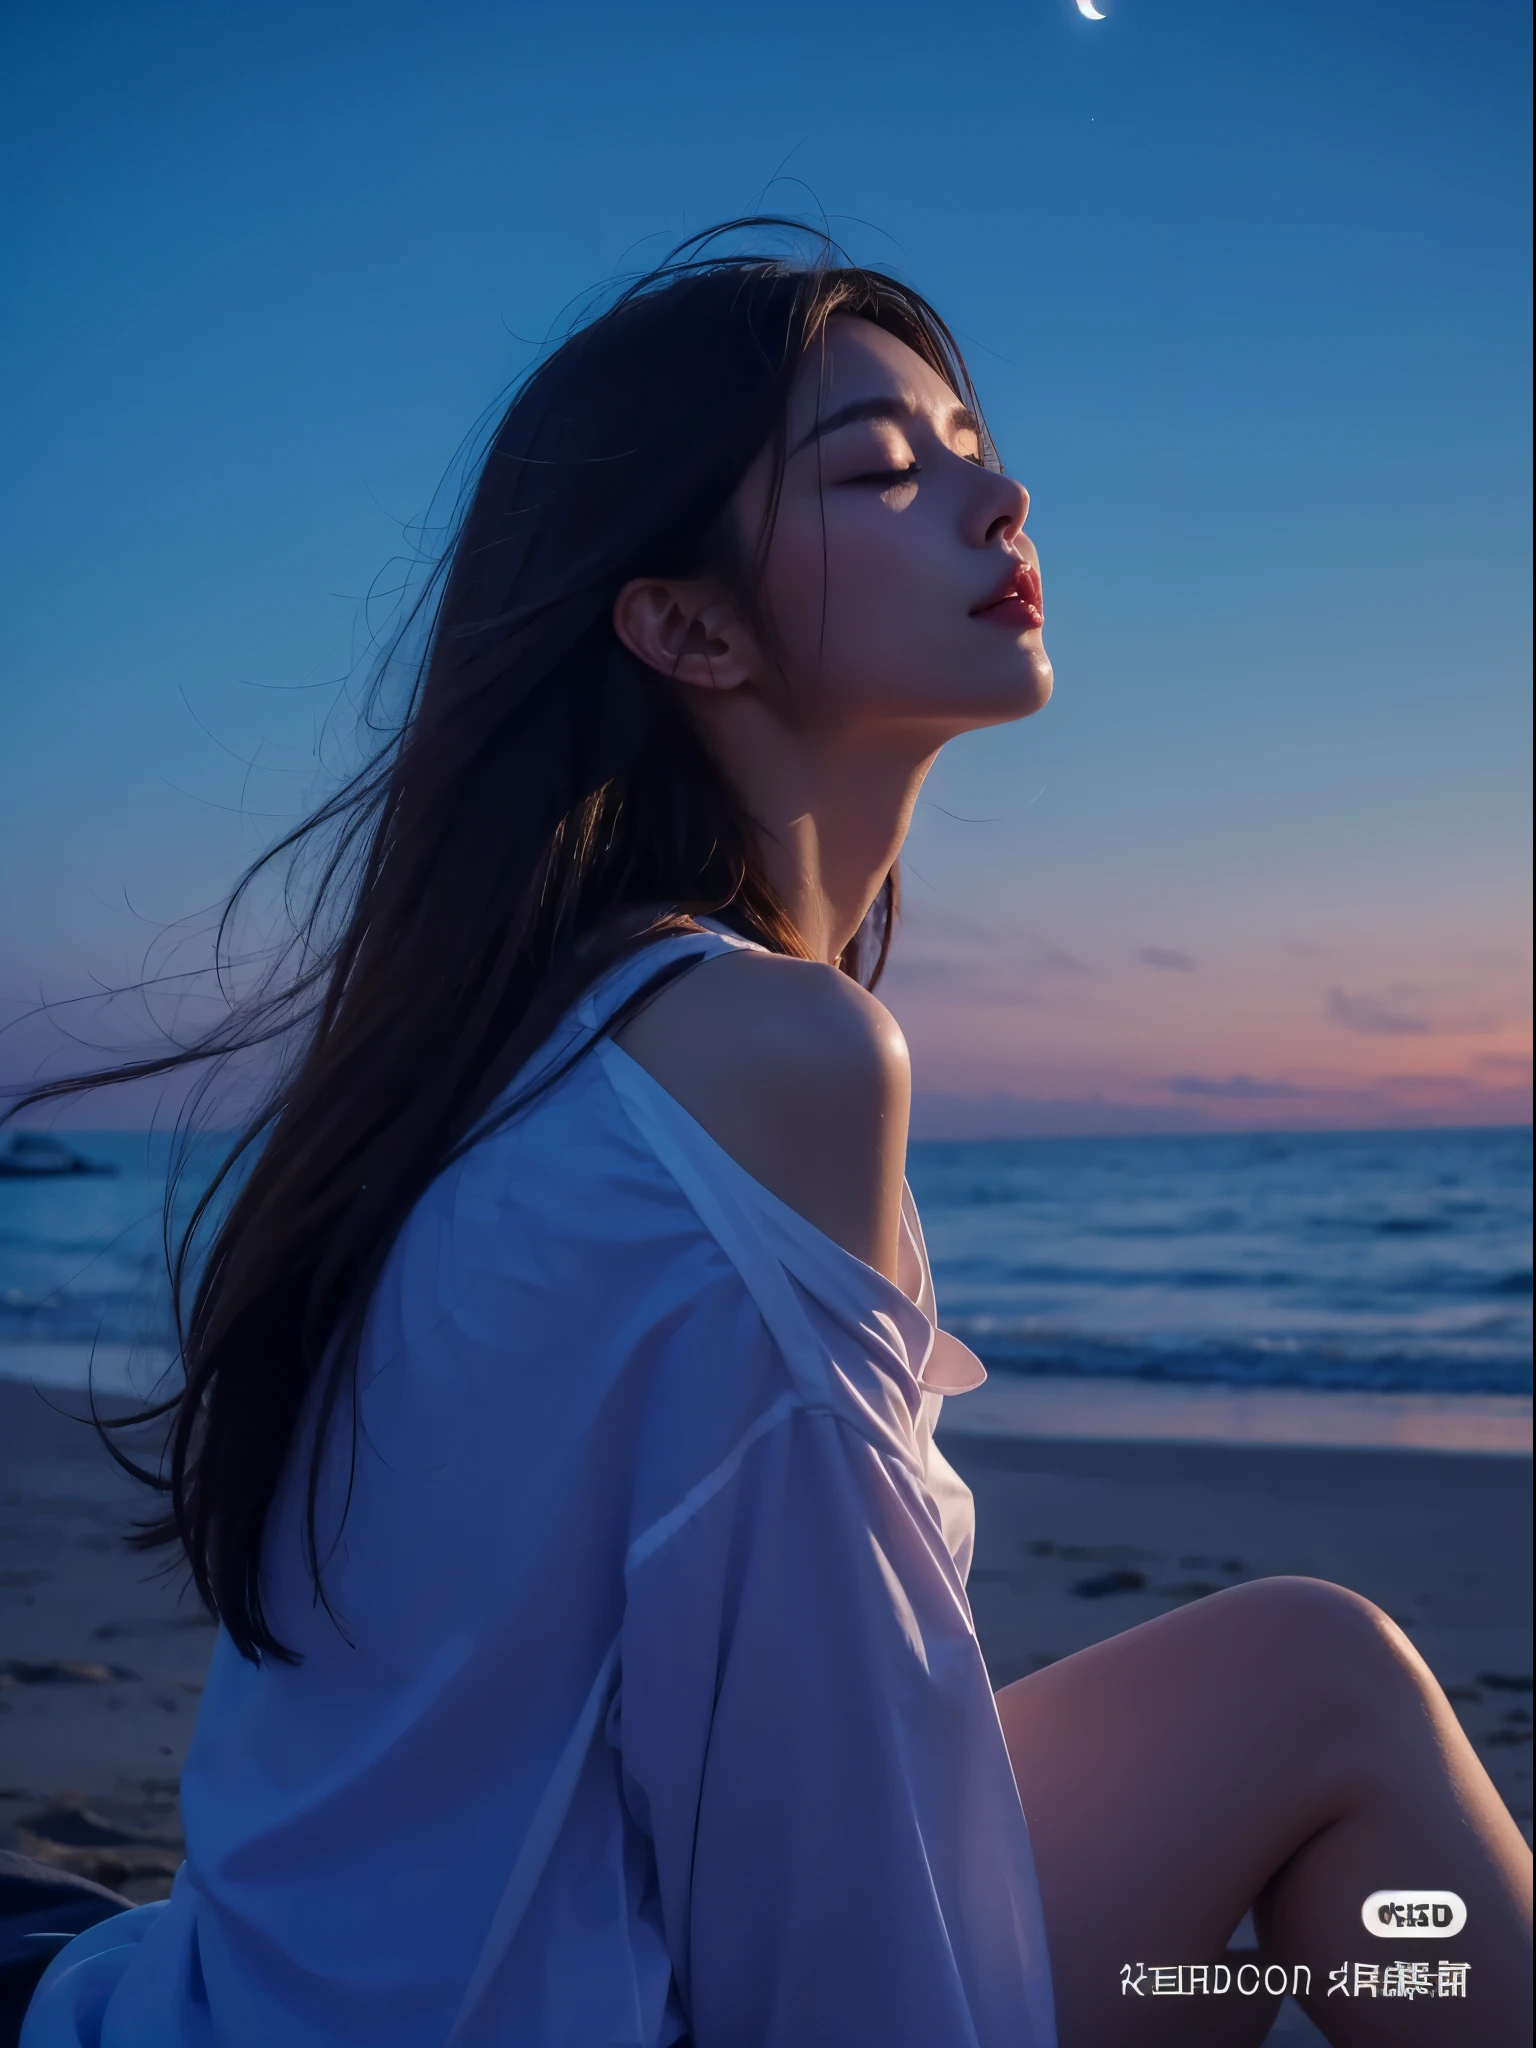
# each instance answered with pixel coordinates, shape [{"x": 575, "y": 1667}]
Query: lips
[{"x": 1017, "y": 601}]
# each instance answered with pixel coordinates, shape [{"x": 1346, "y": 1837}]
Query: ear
[{"x": 687, "y": 631}]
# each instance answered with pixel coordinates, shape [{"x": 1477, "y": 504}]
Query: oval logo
[{"x": 1399, "y": 1916}]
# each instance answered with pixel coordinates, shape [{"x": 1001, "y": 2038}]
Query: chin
[
  {"x": 1023, "y": 689},
  {"x": 1031, "y": 684},
  {"x": 1044, "y": 681}
]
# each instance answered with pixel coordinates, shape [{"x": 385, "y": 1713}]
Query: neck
[{"x": 831, "y": 811}]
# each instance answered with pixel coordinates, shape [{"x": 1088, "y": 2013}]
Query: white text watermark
[{"x": 1248, "y": 1980}]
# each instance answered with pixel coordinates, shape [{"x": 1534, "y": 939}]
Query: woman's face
[{"x": 898, "y": 583}]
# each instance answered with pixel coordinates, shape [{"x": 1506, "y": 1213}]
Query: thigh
[{"x": 1166, "y": 1775}]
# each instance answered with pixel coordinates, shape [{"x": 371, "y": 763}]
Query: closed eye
[{"x": 885, "y": 478}]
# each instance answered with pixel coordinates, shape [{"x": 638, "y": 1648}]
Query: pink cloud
[{"x": 1375, "y": 1016}]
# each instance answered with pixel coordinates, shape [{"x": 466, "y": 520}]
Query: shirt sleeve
[{"x": 809, "y": 1738}]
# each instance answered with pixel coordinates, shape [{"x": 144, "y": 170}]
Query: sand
[
  {"x": 101, "y": 1660},
  {"x": 1077, "y": 1540}
]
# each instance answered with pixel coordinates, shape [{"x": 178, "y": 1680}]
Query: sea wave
[{"x": 1491, "y": 1365}]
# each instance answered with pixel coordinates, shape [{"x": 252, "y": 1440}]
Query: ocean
[
  {"x": 1391, "y": 1261},
  {"x": 1372, "y": 1262}
]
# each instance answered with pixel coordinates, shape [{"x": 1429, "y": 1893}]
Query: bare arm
[{"x": 801, "y": 1076}]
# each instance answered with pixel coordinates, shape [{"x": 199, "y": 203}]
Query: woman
[{"x": 557, "y": 1443}]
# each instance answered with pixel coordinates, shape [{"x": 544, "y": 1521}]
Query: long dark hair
[{"x": 541, "y": 808}]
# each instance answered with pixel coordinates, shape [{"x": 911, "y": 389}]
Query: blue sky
[{"x": 1245, "y": 289}]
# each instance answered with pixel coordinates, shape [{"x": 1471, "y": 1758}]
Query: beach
[
  {"x": 101, "y": 1660},
  {"x": 1078, "y": 1537},
  {"x": 1208, "y": 1360}
]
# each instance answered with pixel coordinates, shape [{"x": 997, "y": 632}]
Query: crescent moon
[{"x": 1088, "y": 11}]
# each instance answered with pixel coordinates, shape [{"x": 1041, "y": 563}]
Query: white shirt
[{"x": 652, "y": 1707}]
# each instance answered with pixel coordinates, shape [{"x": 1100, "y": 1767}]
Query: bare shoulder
[
  {"x": 802, "y": 1024},
  {"x": 802, "y": 1076}
]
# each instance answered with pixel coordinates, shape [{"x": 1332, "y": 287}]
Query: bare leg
[{"x": 1280, "y": 1746}]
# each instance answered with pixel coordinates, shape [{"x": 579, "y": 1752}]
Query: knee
[
  {"x": 1335, "y": 1650},
  {"x": 1291, "y": 1607}
]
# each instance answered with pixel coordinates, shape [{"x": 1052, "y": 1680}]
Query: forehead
[{"x": 858, "y": 361}]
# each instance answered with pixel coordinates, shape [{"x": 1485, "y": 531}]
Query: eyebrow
[{"x": 886, "y": 408}]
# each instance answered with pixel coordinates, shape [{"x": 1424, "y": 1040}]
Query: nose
[{"x": 999, "y": 509}]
